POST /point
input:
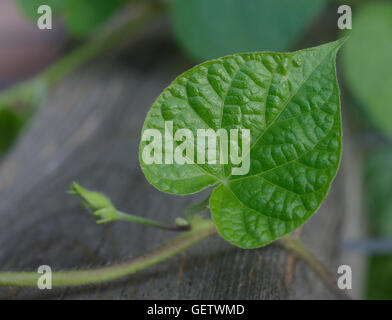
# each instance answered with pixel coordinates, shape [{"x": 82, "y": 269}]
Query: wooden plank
[{"x": 89, "y": 131}]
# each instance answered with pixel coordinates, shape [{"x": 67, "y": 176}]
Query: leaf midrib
[
  {"x": 225, "y": 180},
  {"x": 287, "y": 103}
]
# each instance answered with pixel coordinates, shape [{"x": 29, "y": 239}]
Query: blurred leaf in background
[
  {"x": 30, "y": 7},
  {"x": 378, "y": 184},
  {"x": 10, "y": 126},
  {"x": 378, "y": 193},
  {"x": 367, "y": 62},
  {"x": 380, "y": 278},
  {"x": 209, "y": 29},
  {"x": 367, "y": 68},
  {"x": 19, "y": 102},
  {"x": 80, "y": 16}
]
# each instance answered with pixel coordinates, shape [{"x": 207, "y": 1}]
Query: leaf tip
[
  {"x": 344, "y": 39},
  {"x": 340, "y": 42}
]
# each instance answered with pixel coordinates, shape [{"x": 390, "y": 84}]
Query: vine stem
[
  {"x": 201, "y": 229},
  {"x": 132, "y": 218},
  {"x": 103, "y": 208},
  {"x": 103, "y": 42},
  {"x": 296, "y": 246},
  {"x": 30, "y": 93}
]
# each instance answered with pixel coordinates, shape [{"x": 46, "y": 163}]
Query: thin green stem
[
  {"x": 103, "y": 43},
  {"x": 103, "y": 208},
  {"x": 296, "y": 246},
  {"x": 198, "y": 208},
  {"x": 132, "y": 218},
  {"x": 24, "y": 97},
  {"x": 201, "y": 229}
]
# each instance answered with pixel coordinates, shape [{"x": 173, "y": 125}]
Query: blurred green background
[{"x": 206, "y": 29}]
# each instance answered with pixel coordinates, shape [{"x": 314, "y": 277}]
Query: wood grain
[{"x": 88, "y": 131}]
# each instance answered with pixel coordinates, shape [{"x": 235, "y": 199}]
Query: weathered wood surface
[{"x": 88, "y": 131}]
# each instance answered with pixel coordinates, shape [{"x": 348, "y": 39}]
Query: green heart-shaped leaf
[{"x": 290, "y": 104}]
